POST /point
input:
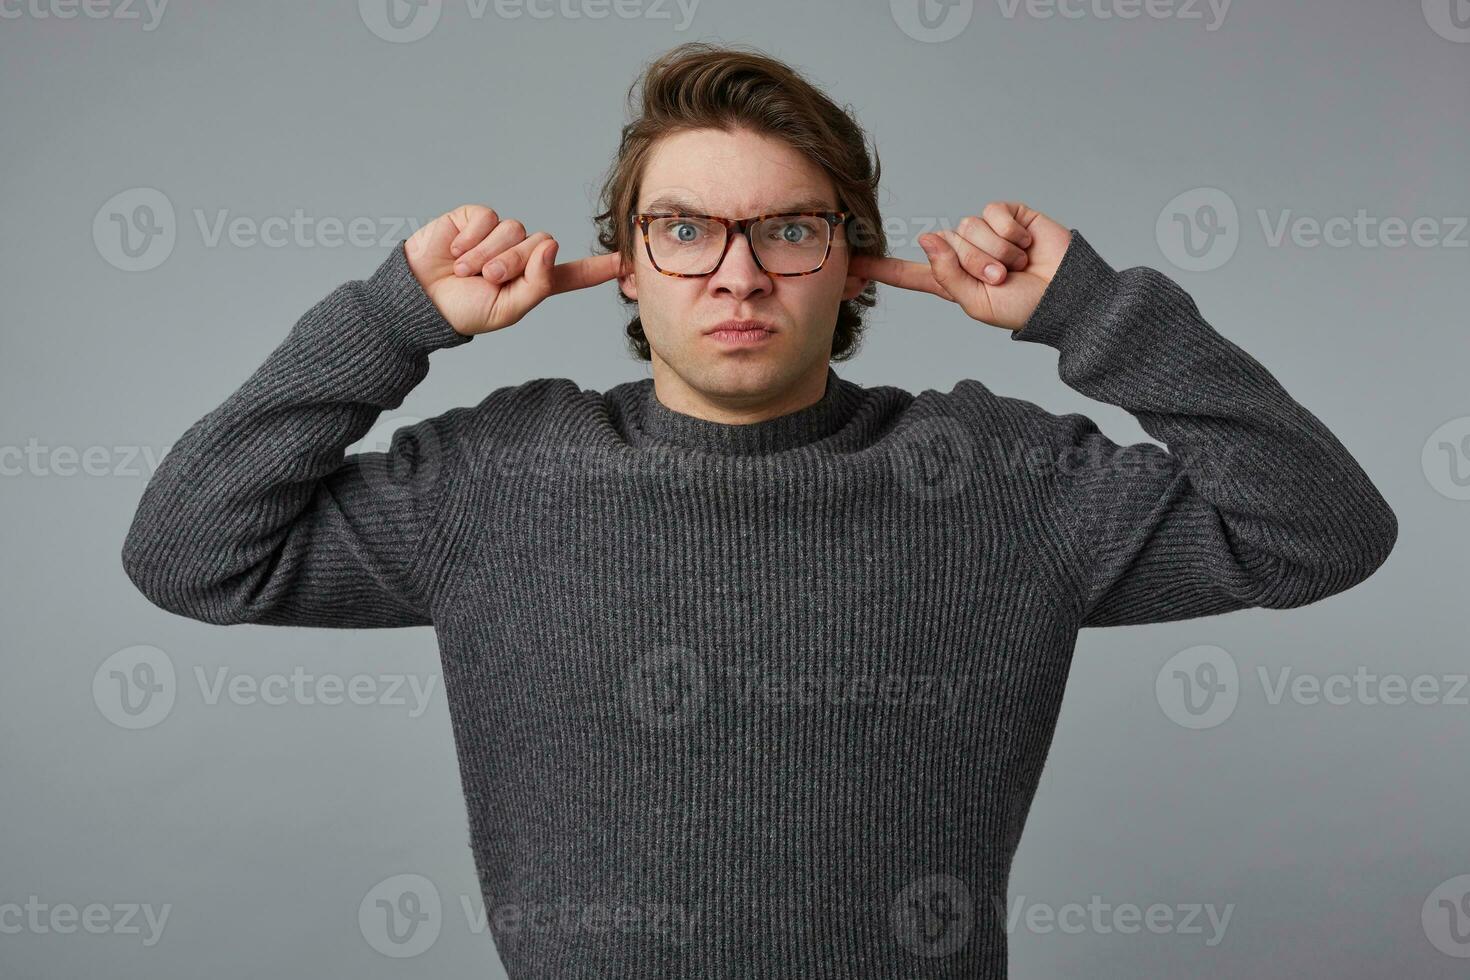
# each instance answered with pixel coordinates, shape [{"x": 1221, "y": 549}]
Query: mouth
[{"x": 742, "y": 332}]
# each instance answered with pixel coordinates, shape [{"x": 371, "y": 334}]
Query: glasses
[{"x": 694, "y": 245}]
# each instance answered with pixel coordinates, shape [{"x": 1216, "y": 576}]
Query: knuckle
[{"x": 510, "y": 261}]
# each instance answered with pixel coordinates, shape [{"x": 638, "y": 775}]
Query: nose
[{"x": 739, "y": 275}]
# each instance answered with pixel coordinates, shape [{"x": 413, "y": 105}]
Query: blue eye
[
  {"x": 795, "y": 232},
  {"x": 677, "y": 230}
]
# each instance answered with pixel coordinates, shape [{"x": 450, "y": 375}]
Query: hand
[
  {"x": 1026, "y": 245},
  {"x": 483, "y": 273}
]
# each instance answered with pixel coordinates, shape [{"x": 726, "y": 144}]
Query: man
[{"x": 752, "y": 670}]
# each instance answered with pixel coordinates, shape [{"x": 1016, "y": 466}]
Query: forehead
[{"x": 734, "y": 174}]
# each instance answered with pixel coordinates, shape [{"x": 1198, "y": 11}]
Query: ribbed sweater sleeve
[
  {"x": 1253, "y": 504},
  {"x": 257, "y": 515}
]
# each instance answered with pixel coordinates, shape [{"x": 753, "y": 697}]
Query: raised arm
[
  {"x": 1254, "y": 503},
  {"x": 257, "y": 515}
]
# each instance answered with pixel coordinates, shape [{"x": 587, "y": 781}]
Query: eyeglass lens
[{"x": 782, "y": 243}]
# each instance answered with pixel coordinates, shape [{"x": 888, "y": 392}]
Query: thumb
[
  {"x": 962, "y": 287},
  {"x": 945, "y": 264},
  {"x": 538, "y": 268},
  {"x": 523, "y": 293}
]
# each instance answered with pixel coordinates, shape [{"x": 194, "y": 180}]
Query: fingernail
[
  {"x": 993, "y": 272},
  {"x": 495, "y": 271},
  {"x": 461, "y": 268}
]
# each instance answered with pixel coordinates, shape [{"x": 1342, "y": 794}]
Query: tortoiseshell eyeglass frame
[{"x": 743, "y": 226}]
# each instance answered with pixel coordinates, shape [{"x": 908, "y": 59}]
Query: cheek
[
  {"x": 664, "y": 300},
  {"x": 819, "y": 295}
]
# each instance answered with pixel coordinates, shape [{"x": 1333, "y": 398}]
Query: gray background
[{"x": 1332, "y": 831}]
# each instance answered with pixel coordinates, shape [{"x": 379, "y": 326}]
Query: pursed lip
[{"x": 765, "y": 325}]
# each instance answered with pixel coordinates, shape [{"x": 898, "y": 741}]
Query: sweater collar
[{"x": 657, "y": 423}]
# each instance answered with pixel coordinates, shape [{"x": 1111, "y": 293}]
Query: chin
[{"x": 736, "y": 375}]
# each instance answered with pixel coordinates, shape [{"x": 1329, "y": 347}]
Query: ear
[
  {"x": 628, "y": 283},
  {"x": 852, "y": 286}
]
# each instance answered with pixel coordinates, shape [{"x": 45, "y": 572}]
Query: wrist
[
  {"x": 405, "y": 309},
  {"x": 1083, "y": 279}
]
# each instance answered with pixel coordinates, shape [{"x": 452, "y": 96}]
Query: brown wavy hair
[{"x": 705, "y": 86}]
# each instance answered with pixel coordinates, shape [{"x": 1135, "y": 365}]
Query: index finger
[
  {"x": 897, "y": 272},
  {"x": 581, "y": 273}
]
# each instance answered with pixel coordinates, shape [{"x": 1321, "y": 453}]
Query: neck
[
  {"x": 654, "y": 423},
  {"x": 741, "y": 407}
]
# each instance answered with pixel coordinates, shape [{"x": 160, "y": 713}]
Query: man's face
[{"x": 737, "y": 175}]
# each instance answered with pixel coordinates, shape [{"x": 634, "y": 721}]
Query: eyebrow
[{"x": 675, "y": 203}]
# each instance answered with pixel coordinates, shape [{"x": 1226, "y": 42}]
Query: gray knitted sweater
[{"x": 764, "y": 700}]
